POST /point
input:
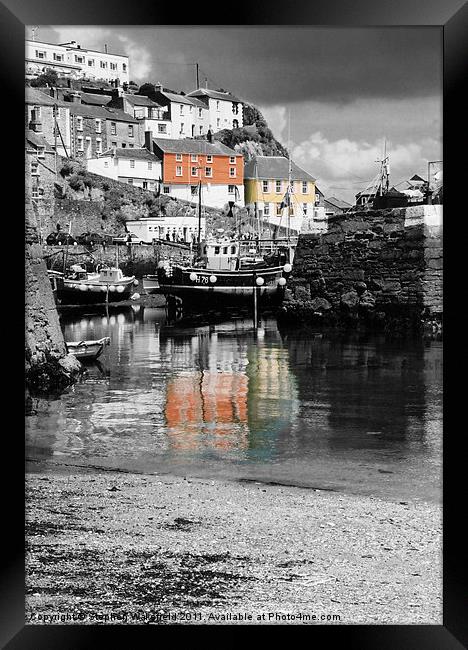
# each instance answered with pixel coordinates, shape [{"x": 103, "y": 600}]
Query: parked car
[
  {"x": 59, "y": 238},
  {"x": 129, "y": 238},
  {"x": 89, "y": 238}
]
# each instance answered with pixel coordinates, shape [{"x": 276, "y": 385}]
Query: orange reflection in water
[{"x": 207, "y": 408}]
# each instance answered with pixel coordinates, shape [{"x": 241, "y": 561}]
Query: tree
[{"x": 47, "y": 78}]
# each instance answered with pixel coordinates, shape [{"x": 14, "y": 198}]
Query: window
[
  {"x": 40, "y": 54},
  {"x": 208, "y": 172},
  {"x": 279, "y": 209},
  {"x": 36, "y": 113},
  {"x": 181, "y": 127},
  {"x": 124, "y": 67},
  {"x": 235, "y": 124},
  {"x": 91, "y": 63},
  {"x": 225, "y": 250},
  {"x": 130, "y": 181},
  {"x": 79, "y": 123},
  {"x": 194, "y": 171},
  {"x": 150, "y": 165},
  {"x": 178, "y": 157},
  {"x": 34, "y": 167},
  {"x": 190, "y": 109},
  {"x": 41, "y": 152},
  {"x": 132, "y": 164},
  {"x": 217, "y": 106},
  {"x": 194, "y": 189},
  {"x": 266, "y": 209},
  {"x": 218, "y": 121},
  {"x": 235, "y": 108},
  {"x": 58, "y": 57},
  {"x": 79, "y": 144},
  {"x": 35, "y": 192},
  {"x": 79, "y": 59},
  {"x": 114, "y": 144},
  {"x": 304, "y": 187},
  {"x": 98, "y": 145},
  {"x": 103, "y": 64},
  {"x": 231, "y": 189},
  {"x": 162, "y": 128},
  {"x": 233, "y": 250},
  {"x": 232, "y": 172},
  {"x": 265, "y": 186},
  {"x": 178, "y": 170},
  {"x": 98, "y": 126},
  {"x": 194, "y": 158},
  {"x": 131, "y": 146},
  {"x": 217, "y": 249},
  {"x": 181, "y": 109},
  {"x": 200, "y": 114},
  {"x": 145, "y": 185},
  {"x": 113, "y": 66},
  {"x": 130, "y": 130},
  {"x": 113, "y": 128},
  {"x": 106, "y": 163},
  {"x": 278, "y": 187},
  {"x": 209, "y": 159},
  {"x": 166, "y": 189},
  {"x": 304, "y": 208},
  {"x": 232, "y": 160},
  {"x": 201, "y": 130}
]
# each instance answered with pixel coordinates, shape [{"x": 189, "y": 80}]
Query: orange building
[{"x": 187, "y": 162}]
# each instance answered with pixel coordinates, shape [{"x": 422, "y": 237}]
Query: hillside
[{"x": 255, "y": 138}]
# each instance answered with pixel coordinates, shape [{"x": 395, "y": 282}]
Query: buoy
[
  {"x": 193, "y": 277},
  {"x": 104, "y": 289},
  {"x": 287, "y": 268},
  {"x": 260, "y": 281},
  {"x": 135, "y": 283},
  {"x": 213, "y": 279},
  {"x": 83, "y": 287},
  {"x": 120, "y": 289},
  {"x": 111, "y": 287},
  {"x": 282, "y": 282}
]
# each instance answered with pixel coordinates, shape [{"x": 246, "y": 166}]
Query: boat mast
[
  {"x": 289, "y": 185},
  {"x": 199, "y": 215}
]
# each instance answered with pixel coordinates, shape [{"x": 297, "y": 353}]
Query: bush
[
  {"x": 76, "y": 182},
  {"x": 47, "y": 78}
]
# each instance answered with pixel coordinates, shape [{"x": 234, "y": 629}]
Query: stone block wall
[{"x": 371, "y": 265}]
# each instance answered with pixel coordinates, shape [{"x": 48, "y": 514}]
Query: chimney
[
  {"x": 159, "y": 87},
  {"x": 149, "y": 141},
  {"x": 75, "y": 98},
  {"x": 35, "y": 124},
  {"x": 209, "y": 136},
  {"x": 105, "y": 48}
]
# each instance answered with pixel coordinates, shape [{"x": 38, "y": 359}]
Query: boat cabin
[
  {"x": 110, "y": 275},
  {"x": 221, "y": 255}
]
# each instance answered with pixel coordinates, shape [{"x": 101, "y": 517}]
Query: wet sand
[{"x": 107, "y": 547}]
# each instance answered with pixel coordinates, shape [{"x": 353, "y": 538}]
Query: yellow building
[{"x": 266, "y": 182}]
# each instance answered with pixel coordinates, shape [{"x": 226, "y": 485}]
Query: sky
[{"x": 333, "y": 96}]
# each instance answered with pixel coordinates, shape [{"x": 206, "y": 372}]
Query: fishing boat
[
  {"x": 108, "y": 285},
  {"x": 88, "y": 350}
]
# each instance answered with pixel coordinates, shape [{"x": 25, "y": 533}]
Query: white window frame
[
  {"x": 106, "y": 163},
  {"x": 41, "y": 52},
  {"x": 162, "y": 128},
  {"x": 304, "y": 208},
  {"x": 98, "y": 145},
  {"x": 113, "y": 128},
  {"x": 166, "y": 189},
  {"x": 103, "y": 65},
  {"x": 79, "y": 59},
  {"x": 150, "y": 164},
  {"x": 178, "y": 157},
  {"x": 279, "y": 210},
  {"x": 34, "y": 168},
  {"x": 265, "y": 187},
  {"x": 193, "y": 157},
  {"x": 80, "y": 143},
  {"x": 98, "y": 124},
  {"x": 181, "y": 106},
  {"x": 280, "y": 185},
  {"x": 231, "y": 189},
  {"x": 305, "y": 188},
  {"x": 266, "y": 209},
  {"x": 131, "y": 131},
  {"x": 178, "y": 170},
  {"x": 209, "y": 159},
  {"x": 209, "y": 172},
  {"x": 194, "y": 171},
  {"x": 58, "y": 57},
  {"x": 79, "y": 123},
  {"x": 132, "y": 164},
  {"x": 232, "y": 172},
  {"x": 91, "y": 63},
  {"x": 232, "y": 160}
]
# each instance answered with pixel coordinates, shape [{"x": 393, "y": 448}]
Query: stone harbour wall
[{"x": 378, "y": 268}]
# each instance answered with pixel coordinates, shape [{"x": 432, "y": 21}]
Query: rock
[
  {"x": 301, "y": 293},
  {"x": 350, "y": 300},
  {"x": 70, "y": 365},
  {"x": 360, "y": 287},
  {"x": 367, "y": 300},
  {"x": 320, "y": 304}
]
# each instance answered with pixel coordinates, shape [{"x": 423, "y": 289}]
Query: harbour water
[{"x": 351, "y": 413}]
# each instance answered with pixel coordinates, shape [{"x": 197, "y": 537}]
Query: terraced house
[
  {"x": 50, "y": 118},
  {"x": 269, "y": 188},
  {"x": 95, "y": 129},
  {"x": 225, "y": 110},
  {"x": 187, "y": 163}
]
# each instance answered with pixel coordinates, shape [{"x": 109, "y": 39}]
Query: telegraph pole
[{"x": 198, "y": 80}]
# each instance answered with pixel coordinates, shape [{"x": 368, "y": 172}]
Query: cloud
[
  {"x": 139, "y": 58},
  {"x": 345, "y": 166},
  {"x": 277, "y": 120}
]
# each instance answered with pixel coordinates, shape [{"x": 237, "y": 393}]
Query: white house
[
  {"x": 188, "y": 116},
  {"x": 136, "y": 167},
  {"x": 225, "y": 110},
  {"x": 184, "y": 228},
  {"x": 150, "y": 115},
  {"x": 72, "y": 60}
]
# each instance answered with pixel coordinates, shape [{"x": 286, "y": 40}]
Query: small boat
[
  {"x": 79, "y": 287},
  {"x": 88, "y": 350}
]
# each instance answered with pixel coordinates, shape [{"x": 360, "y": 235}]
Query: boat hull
[
  {"x": 88, "y": 350},
  {"x": 195, "y": 287},
  {"x": 70, "y": 292}
]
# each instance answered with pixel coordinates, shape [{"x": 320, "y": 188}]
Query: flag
[{"x": 286, "y": 202}]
